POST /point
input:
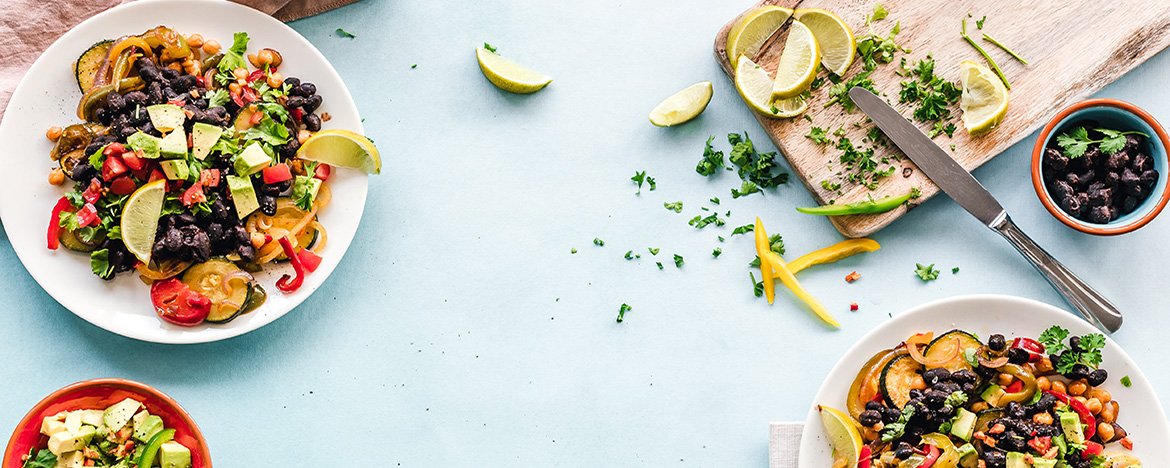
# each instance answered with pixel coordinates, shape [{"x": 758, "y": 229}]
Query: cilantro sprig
[
  {"x": 1076, "y": 142},
  {"x": 1086, "y": 352}
]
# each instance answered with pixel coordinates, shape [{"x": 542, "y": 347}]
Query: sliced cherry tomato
[
  {"x": 277, "y": 174},
  {"x": 322, "y": 172},
  {"x": 123, "y": 185},
  {"x": 134, "y": 160},
  {"x": 932, "y": 454},
  {"x": 113, "y": 168},
  {"x": 193, "y": 195},
  {"x": 177, "y": 304},
  {"x": 93, "y": 193}
]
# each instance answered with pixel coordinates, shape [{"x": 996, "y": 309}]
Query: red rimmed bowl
[
  {"x": 1118, "y": 115},
  {"x": 99, "y": 394}
]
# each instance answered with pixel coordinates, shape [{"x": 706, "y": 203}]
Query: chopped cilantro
[
  {"x": 717, "y": 252},
  {"x": 489, "y": 48},
  {"x": 743, "y": 229},
  {"x": 678, "y": 261},
  {"x": 757, "y": 286},
  {"x": 1076, "y": 142},
  {"x": 758, "y": 168},
  {"x": 955, "y": 270},
  {"x": 745, "y": 188},
  {"x": 926, "y": 272},
  {"x": 343, "y": 33},
  {"x": 712, "y": 160},
  {"x": 979, "y": 22},
  {"x": 573, "y": 250},
  {"x": 622, "y": 312},
  {"x": 653, "y": 250},
  {"x": 659, "y": 265},
  {"x": 895, "y": 430},
  {"x": 819, "y": 136},
  {"x": 598, "y": 242},
  {"x": 715, "y": 200},
  {"x": 1126, "y": 382},
  {"x": 676, "y": 207}
]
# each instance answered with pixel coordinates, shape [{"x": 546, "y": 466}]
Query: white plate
[
  {"x": 48, "y": 96},
  {"x": 1141, "y": 413}
]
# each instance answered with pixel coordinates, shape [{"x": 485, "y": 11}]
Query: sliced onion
[
  {"x": 993, "y": 363},
  {"x": 237, "y": 275}
]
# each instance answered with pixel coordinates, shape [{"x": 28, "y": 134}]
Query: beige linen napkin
[
  {"x": 27, "y": 27},
  {"x": 784, "y": 444}
]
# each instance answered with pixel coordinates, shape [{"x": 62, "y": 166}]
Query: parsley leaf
[
  {"x": 879, "y": 13},
  {"x": 717, "y": 252},
  {"x": 896, "y": 430},
  {"x": 700, "y": 222},
  {"x": 629, "y": 255},
  {"x": 819, "y": 136},
  {"x": 956, "y": 399},
  {"x": 678, "y": 261},
  {"x": 676, "y": 207},
  {"x": 489, "y": 48},
  {"x": 1053, "y": 339},
  {"x": 715, "y": 200},
  {"x": 926, "y": 272},
  {"x": 1126, "y": 382},
  {"x": 660, "y": 267},
  {"x": 218, "y": 97},
  {"x": 712, "y": 160},
  {"x": 598, "y": 242},
  {"x": 639, "y": 178},
  {"x": 743, "y": 229},
  {"x": 758, "y": 168},
  {"x": 40, "y": 459},
  {"x": 745, "y": 188},
  {"x": 653, "y": 250},
  {"x": 343, "y": 33},
  {"x": 757, "y": 286},
  {"x": 233, "y": 58},
  {"x": 99, "y": 262},
  {"x": 979, "y": 22},
  {"x": 268, "y": 131},
  {"x": 622, "y": 312}
]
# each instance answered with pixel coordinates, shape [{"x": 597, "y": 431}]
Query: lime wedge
[
  {"x": 834, "y": 37},
  {"x": 748, "y": 35},
  {"x": 755, "y": 87},
  {"x": 682, "y": 106},
  {"x": 843, "y": 435},
  {"x": 140, "y": 218},
  {"x": 342, "y": 148},
  {"x": 798, "y": 62},
  {"x": 508, "y": 75},
  {"x": 985, "y": 99}
]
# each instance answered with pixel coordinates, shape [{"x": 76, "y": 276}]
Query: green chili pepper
[
  {"x": 1027, "y": 390},
  {"x": 870, "y": 206},
  {"x": 152, "y": 447}
]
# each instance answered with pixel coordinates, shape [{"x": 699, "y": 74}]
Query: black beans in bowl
[{"x": 1098, "y": 174}]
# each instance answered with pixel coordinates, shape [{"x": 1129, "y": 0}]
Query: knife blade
[
  {"x": 973, "y": 197},
  {"x": 959, "y": 184}
]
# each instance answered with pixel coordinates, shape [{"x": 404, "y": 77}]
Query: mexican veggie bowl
[{"x": 196, "y": 165}]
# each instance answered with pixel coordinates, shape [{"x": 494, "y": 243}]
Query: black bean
[
  {"x": 146, "y": 127},
  {"x": 305, "y": 90},
  {"x": 294, "y": 102},
  {"x": 246, "y": 252},
  {"x": 199, "y": 103},
  {"x": 1141, "y": 163},
  {"x": 869, "y": 418},
  {"x": 150, "y": 74},
  {"x": 1132, "y": 142},
  {"x": 82, "y": 171},
  {"x": 934, "y": 376},
  {"x": 154, "y": 94},
  {"x": 1100, "y": 214},
  {"x": 312, "y": 122},
  {"x": 1017, "y": 356},
  {"x": 873, "y": 405},
  {"x": 312, "y": 103},
  {"x": 1117, "y": 160},
  {"x": 1148, "y": 177},
  {"x": 1129, "y": 204},
  {"x": 292, "y": 81},
  {"x": 1055, "y": 160},
  {"x": 1100, "y": 197},
  {"x": 997, "y": 342},
  {"x": 103, "y": 115},
  {"x": 115, "y": 101},
  {"x": 135, "y": 98},
  {"x": 184, "y": 83},
  {"x": 1098, "y": 377},
  {"x": 267, "y": 204},
  {"x": 169, "y": 74},
  {"x": 903, "y": 451},
  {"x": 173, "y": 95},
  {"x": 241, "y": 234}
]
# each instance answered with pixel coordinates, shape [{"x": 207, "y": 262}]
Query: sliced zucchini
[
  {"x": 867, "y": 383},
  {"x": 898, "y": 379},
  {"x": 244, "y": 119},
  {"x": 71, "y": 241},
  {"x": 256, "y": 297},
  {"x": 227, "y": 300},
  {"x": 88, "y": 64},
  {"x": 983, "y": 422},
  {"x": 943, "y": 342}
]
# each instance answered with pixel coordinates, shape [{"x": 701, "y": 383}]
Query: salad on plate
[
  {"x": 194, "y": 166},
  {"x": 955, "y": 400},
  {"x": 124, "y": 435}
]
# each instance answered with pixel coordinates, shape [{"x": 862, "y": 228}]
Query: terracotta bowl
[
  {"x": 99, "y": 394},
  {"x": 1118, "y": 115}
]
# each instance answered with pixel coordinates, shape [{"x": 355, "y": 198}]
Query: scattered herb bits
[
  {"x": 926, "y": 272},
  {"x": 622, "y": 312}
]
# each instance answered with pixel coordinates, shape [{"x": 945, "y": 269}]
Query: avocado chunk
[
  {"x": 149, "y": 426},
  {"x": 251, "y": 160},
  {"x": 203, "y": 137},
  {"x": 166, "y": 117},
  {"x": 1038, "y": 462},
  {"x": 174, "y": 145},
  {"x": 964, "y": 425},
  {"x": 148, "y": 144},
  {"x": 52, "y": 425},
  {"x": 243, "y": 195},
  {"x": 174, "y": 455},
  {"x": 1017, "y": 460},
  {"x": 1070, "y": 423},
  {"x": 74, "y": 459},
  {"x": 92, "y": 417},
  {"x": 175, "y": 169},
  {"x": 992, "y": 395},
  {"x": 968, "y": 456},
  {"x": 73, "y": 421},
  {"x": 305, "y": 187},
  {"x": 62, "y": 442},
  {"x": 116, "y": 417}
]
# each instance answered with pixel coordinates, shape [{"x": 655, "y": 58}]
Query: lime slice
[
  {"x": 140, "y": 218},
  {"x": 798, "y": 62},
  {"x": 843, "y": 435},
  {"x": 835, "y": 38},
  {"x": 755, "y": 87},
  {"x": 682, "y": 106},
  {"x": 342, "y": 148},
  {"x": 508, "y": 75},
  {"x": 985, "y": 99},
  {"x": 748, "y": 35}
]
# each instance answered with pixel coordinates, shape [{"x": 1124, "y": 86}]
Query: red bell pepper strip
[
  {"x": 309, "y": 259},
  {"x": 277, "y": 174},
  {"x": 123, "y": 186},
  {"x": 1034, "y": 348},
  {"x": 932, "y": 454},
  {"x": 286, "y": 283},
  {"x": 53, "y": 235},
  {"x": 249, "y": 95},
  {"x": 93, "y": 193},
  {"x": 256, "y": 75},
  {"x": 322, "y": 172},
  {"x": 865, "y": 458},
  {"x": 1087, "y": 418},
  {"x": 1015, "y": 387},
  {"x": 87, "y": 216}
]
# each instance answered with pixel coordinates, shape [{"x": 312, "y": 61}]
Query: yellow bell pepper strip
[
  {"x": 785, "y": 275},
  {"x": 763, "y": 247},
  {"x": 833, "y": 253}
]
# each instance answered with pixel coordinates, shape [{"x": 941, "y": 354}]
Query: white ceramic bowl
[
  {"x": 48, "y": 96},
  {"x": 1141, "y": 413}
]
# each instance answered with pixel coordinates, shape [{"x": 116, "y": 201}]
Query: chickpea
[
  {"x": 1101, "y": 394},
  {"x": 195, "y": 41},
  {"x": 254, "y": 60},
  {"x": 1043, "y": 383},
  {"x": 234, "y": 88},
  {"x": 1105, "y": 431},
  {"x": 1042, "y": 418},
  {"x": 1109, "y": 412},
  {"x": 56, "y": 177},
  {"x": 275, "y": 80},
  {"x": 305, "y": 134},
  {"x": 1078, "y": 388},
  {"x": 1005, "y": 379},
  {"x": 53, "y": 133},
  {"x": 211, "y": 47},
  {"x": 1058, "y": 386},
  {"x": 240, "y": 73},
  {"x": 1094, "y": 405},
  {"x": 1081, "y": 399},
  {"x": 193, "y": 67},
  {"x": 269, "y": 57},
  {"x": 1044, "y": 366}
]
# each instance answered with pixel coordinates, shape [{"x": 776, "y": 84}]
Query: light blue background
[{"x": 460, "y": 331}]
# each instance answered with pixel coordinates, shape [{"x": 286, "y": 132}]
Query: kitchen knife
[{"x": 965, "y": 190}]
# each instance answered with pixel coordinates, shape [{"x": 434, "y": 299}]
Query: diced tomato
[
  {"x": 309, "y": 259},
  {"x": 93, "y": 193},
  {"x": 1041, "y": 444},
  {"x": 1015, "y": 387},
  {"x": 176, "y": 102},
  {"x": 123, "y": 185},
  {"x": 134, "y": 160},
  {"x": 239, "y": 100},
  {"x": 156, "y": 174},
  {"x": 88, "y": 216},
  {"x": 256, "y": 75},
  {"x": 113, "y": 168},
  {"x": 323, "y": 172},
  {"x": 248, "y": 94},
  {"x": 209, "y": 177},
  {"x": 1092, "y": 449},
  {"x": 256, "y": 118},
  {"x": 54, "y": 231},
  {"x": 193, "y": 195},
  {"x": 277, "y": 174},
  {"x": 297, "y": 114},
  {"x": 114, "y": 149},
  {"x": 178, "y": 304},
  {"x": 147, "y": 167},
  {"x": 932, "y": 454}
]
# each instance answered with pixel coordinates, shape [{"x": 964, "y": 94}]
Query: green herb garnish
[
  {"x": 598, "y": 242},
  {"x": 1076, "y": 142},
  {"x": 622, "y": 312},
  {"x": 676, "y": 207},
  {"x": 819, "y": 136},
  {"x": 717, "y": 252},
  {"x": 926, "y": 272},
  {"x": 896, "y": 430},
  {"x": 712, "y": 160},
  {"x": 343, "y": 33},
  {"x": 678, "y": 261},
  {"x": 489, "y": 47}
]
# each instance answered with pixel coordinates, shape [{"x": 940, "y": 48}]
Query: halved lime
[
  {"x": 682, "y": 106},
  {"x": 834, "y": 37},
  {"x": 342, "y": 148},
  {"x": 985, "y": 99},
  {"x": 508, "y": 75},
  {"x": 753, "y": 29},
  {"x": 755, "y": 87},
  {"x": 798, "y": 62},
  {"x": 140, "y": 218}
]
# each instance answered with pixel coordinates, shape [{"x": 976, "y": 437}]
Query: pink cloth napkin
[{"x": 27, "y": 27}]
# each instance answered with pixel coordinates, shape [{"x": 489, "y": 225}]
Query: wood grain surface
[{"x": 1074, "y": 47}]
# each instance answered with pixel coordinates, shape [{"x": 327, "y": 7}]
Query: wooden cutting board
[{"x": 1074, "y": 47}]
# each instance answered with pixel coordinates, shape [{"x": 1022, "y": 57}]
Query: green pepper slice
[
  {"x": 869, "y": 206},
  {"x": 151, "y": 451},
  {"x": 1024, "y": 376}
]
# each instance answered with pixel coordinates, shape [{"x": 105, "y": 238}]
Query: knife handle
[{"x": 1088, "y": 302}]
